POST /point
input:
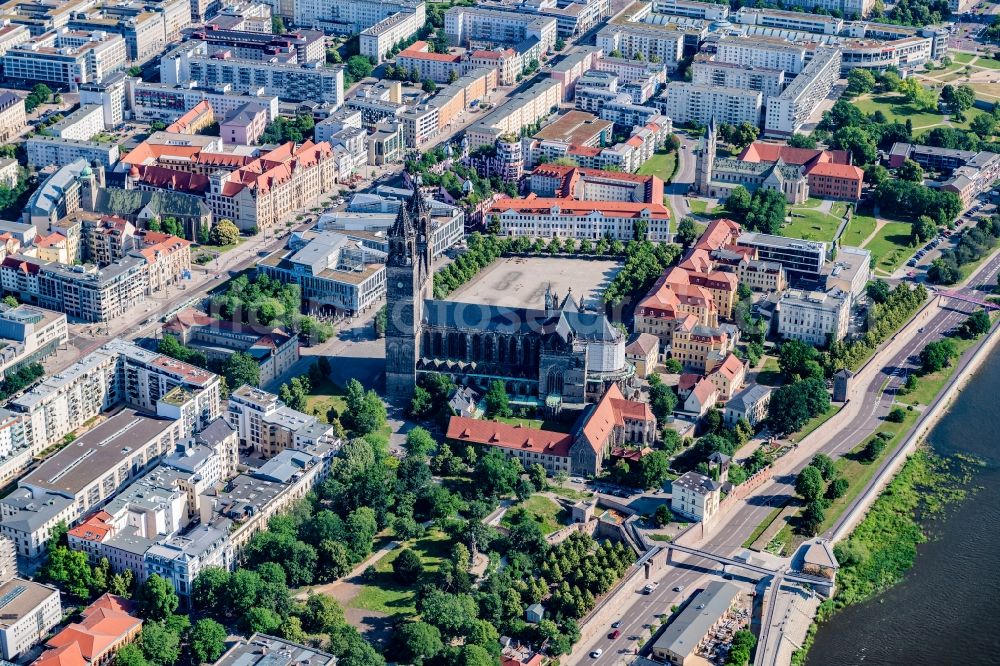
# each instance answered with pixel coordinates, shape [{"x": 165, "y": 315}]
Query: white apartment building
[
  {"x": 81, "y": 124},
  {"x": 437, "y": 67},
  {"x": 630, "y": 71},
  {"x": 774, "y": 18},
  {"x": 696, "y": 496},
  {"x": 536, "y": 217},
  {"x": 109, "y": 94},
  {"x": 904, "y": 54},
  {"x": 666, "y": 42},
  {"x": 28, "y": 334},
  {"x": 762, "y": 52},
  {"x": 707, "y": 72},
  {"x": 789, "y": 110},
  {"x": 120, "y": 372},
  {"x": 518, "y": 112},
  {"x": 814, "y": 317},
  {"x": 708, "y": 11},
  {"x": 28, "y": 612},
  {"x": 45, "y": 150},
  {"x": 12, "y": 116},
  {"x": 700, "y": 103},
  {"x": 160, "y": 101},
  {"x": 348, "y": 16},
  {"x": 496, "y": 26},
  {"x": 194, "y": 62},
  {"x": 65, "y": 58},
  {"x": 377, "y": 41}
]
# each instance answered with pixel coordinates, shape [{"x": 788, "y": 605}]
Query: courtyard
[{"x": 520, "y": 282}]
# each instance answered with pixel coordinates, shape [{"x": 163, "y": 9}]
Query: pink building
[{"x": 244, "y": 125}]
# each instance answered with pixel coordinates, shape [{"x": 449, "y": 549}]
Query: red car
[{"x": 615, "y": 634}]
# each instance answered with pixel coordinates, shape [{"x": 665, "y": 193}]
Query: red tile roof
[
  {"x": 612, "y": 410},
  {"x": 837, "y": 171},
  {"x": 275, "y": 167},
  {"x": 105, "y": 625},
  {"x": 730, "y": 367},
  {"x": 703, "y": 391},
  {"x": 761, "y": 151},
  {"x": 419, "y": 50},
  {"x": 570, "y": 207},
  {"x": 719, "y": 233},
  {"x": 494, "y": 433}
]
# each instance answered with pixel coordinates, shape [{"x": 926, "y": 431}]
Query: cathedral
[{"x": 559, "y": 355}]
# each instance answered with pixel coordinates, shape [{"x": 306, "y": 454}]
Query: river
[{"x": 947, "y": 609}]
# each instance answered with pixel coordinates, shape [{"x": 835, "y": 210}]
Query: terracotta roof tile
[{"x": 494, "y": 433}]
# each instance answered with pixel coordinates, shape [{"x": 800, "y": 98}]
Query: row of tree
[
  {"x": 818, "y": 484},
  {"x": 973, "y": 245}
]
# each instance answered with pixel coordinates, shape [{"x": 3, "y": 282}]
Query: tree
[
  {"x": 877, "y": 291},
  {"x": 857, "y": 142},
  {"x": 937, "y": 355},
  {"x": 654, "y": 469},
  {"x": 407, "y": 567},
  {"x": 160, "y": 646},
  {"x": 797, "y": 360},
  {"x": 207, "y": 640},
  {"x": 824, "y": 464},
  {"x": 809, "y": 484},
  {"x": 860, "y": 80},
  {"x": 663, "y": 515},
  {"x": 416, "y": 642},
  {"x": 474, "y": 655},
  {"x": 813, "y": 516},
  {"x": 496, "y": 474},
  {"x": 801, "y": 141},
  {"x": 241, "y": 368},
  {"x": 910, "y": 171},
  {"x": 224, "y": 233},
  {"x": 210, "y": 589},
  {"x": 837, "y": 488},
  {"x": 738, "y": 202},
  {"x": 322, "y": 614},
  {"x": 687, "y": 232},
  {"x": 497, "y": 401},
  {"x": 359, "y": 67},
  {"x": 792, "y": 405},
  {"x": 959, "y": 99},
  {"x": 277, "y": 25},
  {"x": 452, "y": 614},
  {"x": 428, "y": 86},
  {"x": 896, "y": 415},
  {"x": 10, "y": 301},
  {"x": 976, "y": 325},
  {"x": 130, "y": 655},
  {"x": 157, "y": 599}
]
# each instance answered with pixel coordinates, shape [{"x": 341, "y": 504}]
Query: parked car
[
  {"x": 615, "y": 634},
  {"x": 596, "y": 653},
  {"x": 616, "y": 624}
]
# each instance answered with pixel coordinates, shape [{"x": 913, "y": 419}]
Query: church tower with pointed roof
[{"x": 408, "y": 285}]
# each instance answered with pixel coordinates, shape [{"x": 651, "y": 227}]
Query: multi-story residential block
[
  {"x": 12, "y": 34},
  {"x": 633, "y": 38},
  {"x": 65, "y": 58},
  {"x": 798, "y": 257},
  {"x": 259, "y": 194},
  {"x": 158, "y": 101},
  {"x": 294, "y": 82},
  {"x": 628, "y": 114},
  {"x": 814, "y": 317},
  {"x": 303, "y": 46},
  {"x": 518, "y": 112},
  {"x": 569, "y": 69},
  {"x": 971, "y": 172},
  {"x": 244, "y": 16},
  {"x": 695, "y": 496},
  {"x": 12, "y": 118},
  {"x": 774, "y": 18},
  {"x": 631, "y": 71},
  {"x": 346, "y": 17},
  {"x": 333, "y": 271},
  {"x": 537, "y": 217},
  {"x": 10, "y": 172},
  {"x": 792, "y": 108},
  {"x": 420, "y": 124},
  {"x": 551, "y": 180},
  {"x": 505, "y": 61},
  {"x": 463, "y": 94},
  {"x": 274, "y": 350},
  {"x": 701, "y": 10},
  {"x": 376, "y": 41},
  {"x": 573, "y": 17},
  {"x": 762, "y": 52},
  {"x": 706, "y": 71},
  {"x": 29, "y": 334},
  {"x": 117, "y": 373},
  {"x": 750, "y": 404},
  {"x": 266, "y": 425},
  {"x": 30, "y": 610},
  {"x": 81, "y": 124},
  {"x": 45, "y": 150},
  {"x": 244, "y": 125},
  {"x": 698, "y": 103},
  {"x": 439, "y": 67},
  {"x": 109, "y": 94},
  {"x": 498, "y": 25},
  {"x": 386, "y": 143},
  {"x": 84, "y": 476},
  {"x": 728, "y": 376}
]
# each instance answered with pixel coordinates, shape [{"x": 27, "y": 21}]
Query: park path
[
  {"x": 879, "y": 223},
  {"x": 346, "y": 588}
]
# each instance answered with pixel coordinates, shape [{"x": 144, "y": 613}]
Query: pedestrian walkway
[{"x": 776, "y": 526}]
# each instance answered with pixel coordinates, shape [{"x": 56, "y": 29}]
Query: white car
[{"x": 596, "y": 653}]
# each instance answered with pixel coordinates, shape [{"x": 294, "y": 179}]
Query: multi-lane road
[{"x": 872, "y": 398}]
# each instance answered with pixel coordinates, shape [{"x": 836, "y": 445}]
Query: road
[
  {"x": 678, "y": 189},
  {"x": 871, "y": 400}
]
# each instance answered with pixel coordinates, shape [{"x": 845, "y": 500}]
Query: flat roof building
[
  {"x": 263, "y": 650},
  {"x": 682, "y": 638},
  {"x": 800, "y": 257}
]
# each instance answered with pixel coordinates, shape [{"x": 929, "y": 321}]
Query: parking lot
[{"x": 521, "y": 282}]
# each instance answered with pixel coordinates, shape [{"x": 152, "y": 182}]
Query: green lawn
[
  {"x": 963, "y": 58},
  {"x": 928, "y": 386},
  {"x": 547, "y": 513},
  {"x": 570, "y": 493},
  {"x": 385, "y": 594},
  {"x": 538, "y": 424},
  {"x": 814, "y": 225},
  {"x": 769, "y": 375},
  {"x": 891, "y": 246},
  {"x": 839, "y": 208},
  {"x": 811, "y": 202},
  {"x": 896, "y": 108},
  {"x": 858, "y": 231},
  {"x": 988, "y": 63},
  {"x": 323, "y": 397},
  {"x": 698, "y": 206},
  {"x": 764, "y": 524},
  {"x": 661, "y": 164},
  {"x": 221, "y": 248}
]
